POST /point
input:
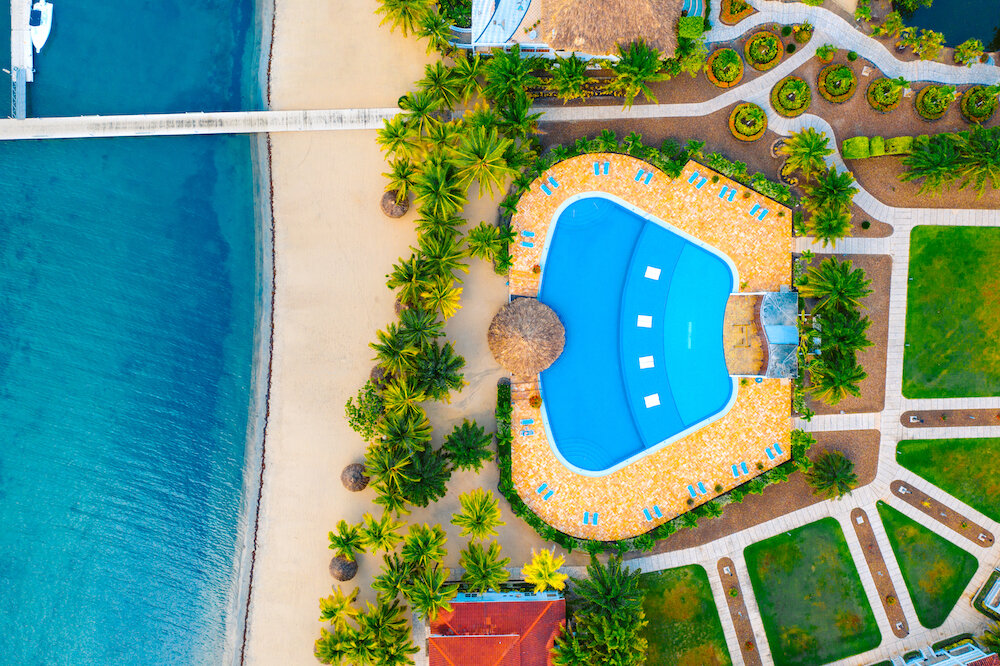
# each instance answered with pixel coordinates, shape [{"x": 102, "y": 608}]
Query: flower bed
[
  {"x": 724, "y": 68},
  {"x": 763, "y": 50},
  {"x": 930, "y": 102},
  {"x": 978, "y": 106},
  {"x": 748, "y": 122},
  {"x": 884, "y": 95},
  {"x": 837, "y": 83},
  {"x": 791, "y": 96},
  {"x": 734, "y": 11}
]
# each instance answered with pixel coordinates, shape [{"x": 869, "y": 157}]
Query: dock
[{"x": 22, "y": 65}]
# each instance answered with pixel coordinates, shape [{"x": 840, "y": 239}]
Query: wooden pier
[{"x": 22, "y": 65}]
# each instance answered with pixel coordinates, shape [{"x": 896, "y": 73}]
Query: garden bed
[
  {"x": 734, "y": 11},
  {"x": 724, "y": 68},
  {"x": 964, "y": 468},
  {"x": 791, "y": 96},
  {"x": 884, "y": 95},
  {"x": 977, "y": 106},
  {"x": 763, "y": 50},
  {"x": 929, "y": 103},
  {"x": 835, "y": 85},
  {"x": 747, "y": 122}
]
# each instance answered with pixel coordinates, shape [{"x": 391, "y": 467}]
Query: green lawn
[
  {"x": 684, "y": 627},
  {"x": 935, "y": 570},
  {"x": 951, "y": 305},
  {"x": 810, "y": 596},
  {"x": 964, "y": 468}
]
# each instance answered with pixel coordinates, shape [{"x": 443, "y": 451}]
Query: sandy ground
[{"x": 333, "y": 248}]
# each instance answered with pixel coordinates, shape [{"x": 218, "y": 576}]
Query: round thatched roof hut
[
  {"x": 353, "y": 477},
  {"x": 343, "y": 569},
  {"x": 392, "y": 207},
  {"x": 526, "y": 337}
]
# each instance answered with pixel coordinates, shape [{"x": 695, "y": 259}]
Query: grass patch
[
  {"x": 964, "y": 468},
  {"x": 935, "y": 570},
  {"x": 810, "y": 596},
  {"x": 951, "y": 322},
  {"x": 684, "y": 626}
]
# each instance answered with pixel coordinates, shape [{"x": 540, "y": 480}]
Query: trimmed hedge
[
  {"x": 899, "y": 145},
  {"x": 690, "y": 27},
  {"x": 876, "y": 146},
  {"x": 860, "y": 147},
  {"x": 856, "y": 148}
]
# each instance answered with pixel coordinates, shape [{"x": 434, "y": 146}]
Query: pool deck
[{"x": 760, "y": 417}]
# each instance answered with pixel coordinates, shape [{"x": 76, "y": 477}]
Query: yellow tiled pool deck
[{"x": 760, "y": 417}]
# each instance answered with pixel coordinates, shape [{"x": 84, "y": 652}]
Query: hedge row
[
  {"x": 801, "y": 441},
  {"x": 861, "y": 147}
]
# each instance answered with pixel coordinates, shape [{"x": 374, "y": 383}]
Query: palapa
[
  {"x": 526, "y": 337},
  {"x": 354, "y": 478},
  {"x": 596, "y": 27}
]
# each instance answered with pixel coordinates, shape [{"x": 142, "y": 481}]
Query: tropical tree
[
  {"x": 466, "y": 74},
  {"x": 410, "y": 429},
  {"x": 638, "y": 65},
  {"x": 397, "y": 137},
  {"x": 834, "y": 379},
  {"x": 806, "y": 151},
  {"x": 832, "y": 475},
  {"x": 483, "y": 240},
  {"x": 507, "y": 74},
  {"x": 412, "y": 278},
  {"x": 430, "y": 475},
  {"x": 393, "y": 350},
  {"x": 403, "y": 396},
  {"x": 929, "y": 45},
  {"x": 436, "y": 29},
  {"x": 968, "y": 52},
  {"x": 443, "y": 296},
  {"x": 440, "y": 83},
  {"x": 832, "y": 188},
  {"x": 480, "y": 158},
  {"x": 484, "y": 570},
  {"x": 979, "y": 158},
  {"x": 909, "y": 38},
  {"x": 347, "y": 540},
  {"x": 443, "y": 136},
  {"x": 442, "y": 253},
  {"x": 569, "y": 78},
  {"x": 543, "y": 571},
  {"x": 892, "y": 25},
  {"x": 392, "y": 579},
  {"x": 836, "y": 284},
  {"x": 691, "y": 55},
  {"x": 334, "y": 647},
  {"x": 480, "y": 514},
  {"x": 421, "y": 110},
  {"x": 991, "y": 637},
  {"x": 516, "y": 119},
  {"x": 380, "y": 533},
  {"x": 401, "y": 173},
  {"x": 830, "y": 223},
  {"x": 439, "y": 191},
  {"x": 430, "y": 593},
  {"x": 424, "y": 546},
  {"x": 610, "y": 590},
  {"x": 438, "y": 371},
  {"x": 389, "y": 464},
  {"x": 844, "y": 331},
  {"x": 338, "y": 608},
  {"x": 403, "y": 14},
  {"x": 934, "y": 163},
  {"x": 383, "y": 635},
  {"x": 469, "y": 446},
  {"x": 364, "y": 415},
  {"x": 419, "y": 327}
]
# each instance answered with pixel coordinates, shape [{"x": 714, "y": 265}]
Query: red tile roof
[
  {"x": 991, "y": 660},
  {"x": 496, "y": 633}
]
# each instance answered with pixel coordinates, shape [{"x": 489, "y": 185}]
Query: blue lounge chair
[
  {"x": 763, "y": 214},
  {"x": 528, "y": 234},
  {"x": 586, "y": 517},
  {"x": 693, "y": 493},
  {"x": 527, "y": 433},
  {"x": 548, "y": 495},
  {"x": 555, "y": 183},
  {"x": 597, "y": 168},
  {"x": 756, "y": 207},
  {"x": 656, "y": 510},
  {"x": 769, "y": 453},
  {"x": 593, "y": 519},
  {"x": 701, "y": 183},
  {"x": 736, "y": 472},
  {"x": 547, "y": 191},
  {"x": 541, "y": 488},
  {"x": 777, "y": 447},
  {"x": 639, "y": 175},
  {"x": 732, "y": 195},
  {"x": 607, "y": 167},
  {"x": 743, "y": 466},
  {"x": 649, "y": 177},
  {"x": 701, "y": 488},
  {"x": 527, "y": 244},
  {"x": 722, "y": 192},
  {"x": 527, "y": 421},
  {"x": 645, "y": 512},
  {"x": 693, "y": 177}
]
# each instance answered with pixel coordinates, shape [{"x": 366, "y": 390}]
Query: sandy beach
[{"x": 333, "y": 247}]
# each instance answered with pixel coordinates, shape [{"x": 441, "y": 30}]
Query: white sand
[{"x": 333, "y": 249}]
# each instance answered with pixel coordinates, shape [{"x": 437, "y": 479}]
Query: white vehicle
[{"x": 40, "y": 23}]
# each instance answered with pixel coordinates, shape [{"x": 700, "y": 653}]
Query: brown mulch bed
[
  {"x": 951, "y": 418},
  {"x": 861, "y": 446},
  {"x": 876, "y": 229},
  {"x": 878, "y": 269},
  {"x": 876, "y": 565},
  {"x": 951, "y": 519},
  {"x": 738, "y": 611}
]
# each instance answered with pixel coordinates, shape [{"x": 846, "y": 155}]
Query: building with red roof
[{"x": 497, "y": 629}]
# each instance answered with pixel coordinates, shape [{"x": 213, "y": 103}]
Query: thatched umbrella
[
  {"x": 598, "y": 26},
  {"x": 526, "y": 337},
  {"x": 353, "y": 477},
  {"x": 392, "y": 207},
  {"x": 343, "y": 569}
]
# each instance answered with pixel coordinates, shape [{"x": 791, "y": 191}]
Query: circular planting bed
[
  {"x": 791, "y": 96},
  {"x": 978, "y": 104},
  {"x": 763, "y": 50},
  {"x": 933, "y": 101},
  {"x": 837, "y": 83},
  {"x": 884, "y": 94},
  {"x": 748, "y": 122},
  {"x": 724, "y": 68},
  {"x": 734, "y": 11}
]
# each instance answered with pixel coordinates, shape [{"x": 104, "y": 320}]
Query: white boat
[{"x": 40, "y": 23}]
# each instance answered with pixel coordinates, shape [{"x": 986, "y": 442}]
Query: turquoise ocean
[{"x": 133, "y": 276}]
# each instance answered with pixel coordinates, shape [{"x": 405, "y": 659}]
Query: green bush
[
  {"x": 856, "y": 148},
  {"x": 852, "y": 56},
  {"x": 899, "y": 145},
  {"x": 786, "y": 30},
  {"x": 690, "y": 27},
  {"x": 876, "y": 146},
  {"x": 790, "y": 48},
  {"x": 921, "y": 140}
]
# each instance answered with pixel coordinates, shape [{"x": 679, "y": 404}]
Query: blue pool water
[
  {"x": 130, "y": 287},
  {"x": 595, "y": 278}
]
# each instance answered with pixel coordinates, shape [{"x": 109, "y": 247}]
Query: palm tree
[
  {"x": 409, "y": 430},
  {"x": 508, "y": 74},
  {"x": 383, "y": 635},
  {"x": 380, "y": 534},
  {"x": 611, "y": 591},
  {"x": 412, "y": 278},
  {"x": 346, "y": 541},
  {"x": 442, "y": 253},
  {"x": 443, "y": 136},
  {"x": 968, "y": 52},
  {"x": 929, "y": 45},
  {"x": 403, "y": 396},
  {"x": 424, "y": 546},
  {"x": 335, "y": 647},
  {"x": 433, "y": 226},
  {"x": 480, "y": 158},
  {"x": 439, "y": 191},
  {"x": 419, "y": 327},
  {"x": 436, "y": 29},
  {"x": 979, "y": 158},
  {"x": 608, "y": 140},
  {"x": 444, "y": 296},
  {"x": 844, "y": 331},
  {"x": 397, "y": 137},
  {"x": 908, "y": 38},
  {"x": 482, "y": 241},
  {"x": 836, "y": 284},
  {"x": 468, "y": 446},
  {"x": 832, "y": 475},
  {"x": 570, "y": 650},
  {"x": 834, "y": 379},
  {"x": 480, "y": 514},
  {"x": 338, "y": 608},
  {"x": 421, "y": 110},
  {"x": 830, "y": 223},
  {"x": 806, "y": 151},
  {"x": 832, "y": 188},
  {"x": 391, "y": 498},
  {"x": 727, "y": 59},
  {"x": 637, "y": 67},
  {"x": 569, "y": 78},
  {"x": 516, "y": 119},
  {"x": 390, "y": 582},
  {"x": 403, "y": 14},
  {"x": 389, "y": 464},
  {"x": 439, "y": 82},
  {"x": 393, "y": 350},
  {"x": 466, "y": 73},
  {"x": 891, "y": 25},
  {"x": 484, "y": 570},
  {"x": 431, "y": 473},
  {"x": 990, "y": 639},
  {"x": 401, "y": 173},
  {"x": 694, "y": 149},
  {"x": 430, "y": 592},
  {"x": 543, "y": 571},
  {"x": 935, "y": 163},
  {"x": 438, "y": 371}
]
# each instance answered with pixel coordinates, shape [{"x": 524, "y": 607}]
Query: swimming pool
[{"x": 643, "y": 306}]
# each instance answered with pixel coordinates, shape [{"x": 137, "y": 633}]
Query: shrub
[
  {"x": 837, "y": 83},
  {"x": 852, "y": 56},
  {"x": 921, "y": 140},
  {"x": 856, "y": 148},
  {"x": 899, "y": 145},
  {"x": 690, "y": 27},
  {"x": 803, "y": 33},
  {"x": 884, "y": 94},
  {"x": 791, "y": 96},
  {"x": 748, "y": 122},
  {"x": 790, "y": 48},
  {"x": 786, "y": 30},
  {"x": 763, "y": 50},
  {"x": 724, "y": 68},
  {"x": 979, "y": 103},
  {"x": 933, "y": 101},
  {"x": 826, "y": 52},
  {"x": 866, "y": 224},
  {"x": 876, "y": 146}
]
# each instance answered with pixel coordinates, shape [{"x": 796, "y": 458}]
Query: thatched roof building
[
  {"x": 596, "y": 27},
  {"x": 526, "y": 337}
]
